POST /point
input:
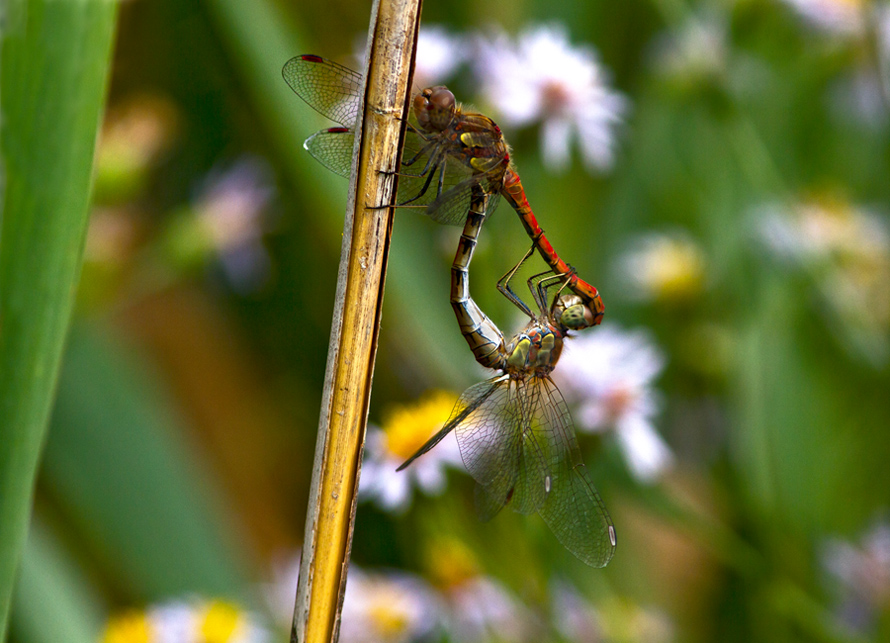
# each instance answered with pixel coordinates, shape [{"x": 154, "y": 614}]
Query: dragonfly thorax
[
  {"x": 435, "y": 108},
  {"x": 535, "y": 349}
]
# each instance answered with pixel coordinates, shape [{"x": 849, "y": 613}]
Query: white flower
[
  {"x": 438, "y": 54},
  {"x": 574, "y": 617},
  {"x": 387, "y": 608},
  {"x": 404, "y": 432},
  {"x": 174, "y": 622},
  {"x": 543, "y": 78},
  {"x": 608, "y": 373},
  {"x": 280, "y": 593},
  {"x": 696, "y": 50},
  {"x": 863, "y": 572},
  {"x": 187, "y": 621},
  {"x": 615, "y": 619},
  {"x": 481, "y": 609},
  {"x": 834, "y": 17},
  {"x": 823, "y": 230},
  {"x": 664, "y": 267},
  {"x": 846, "y": 252}
]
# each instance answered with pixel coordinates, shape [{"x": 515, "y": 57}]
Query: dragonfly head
[
  {"x": 570, "y": 312},
  {"x": 434, "y": 108}
]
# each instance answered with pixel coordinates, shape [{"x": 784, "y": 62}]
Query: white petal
[
  {"x": 648, "y": 455},
  {"x": 555, "y": 135}
]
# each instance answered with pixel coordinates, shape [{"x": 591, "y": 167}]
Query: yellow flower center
[
  {"x": 132, "y": 627},
  {"x": 451, "y": 563},
  {"x": 388, "y": 621},
  {"x": 408, "y": 427},
  {"x": 673, "y": 269},
  {"x": 221, "y": 620}
]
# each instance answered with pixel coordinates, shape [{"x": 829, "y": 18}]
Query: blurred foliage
[{"x": 181, "y": 444}]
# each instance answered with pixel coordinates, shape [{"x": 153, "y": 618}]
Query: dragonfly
[
  {"x": 515, "y": 432},
  {"x": 449, "y": 153}
]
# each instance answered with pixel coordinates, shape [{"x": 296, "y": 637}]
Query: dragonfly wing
[
  {"x": 331, "y": 89},
  {"x": 333, "y": 149},
  {"x": 435, "y": 177},
  {"x": 573, "y": 510},
  {"x": 469, "y": 403},
  {"x": 501, "y": 453},
  {"x": 452, "y": 205}
]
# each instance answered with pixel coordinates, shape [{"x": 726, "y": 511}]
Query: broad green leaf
[{"x": 54, "y": 68}]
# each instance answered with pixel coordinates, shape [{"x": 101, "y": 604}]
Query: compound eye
[
  {"x": 442, "y": 98},
  {"x": 421, "y": 108}
]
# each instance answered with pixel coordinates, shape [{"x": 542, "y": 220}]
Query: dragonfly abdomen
[
  {"x": 483, "y": 336},
  {"x": 514, "y": 193}
]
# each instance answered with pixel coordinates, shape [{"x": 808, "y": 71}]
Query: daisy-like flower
[
  {"x": 664, "y": 267},
  {"x": 280, "y": 593},
  {"x": 624, "y": 620},
  {"x": 608, "y": 374},
  {"x": 861, "y": 573},
  {"x": 846, "y": 252},
  {"x": 482, "y": 609},
  {"x": 476, "y": 607},
  {"x": 387, "y": 607},
  {"x": 542, "y": 78},
  {"x": 697, "y": 51},
  {"x": 574, "y": 617},
  {"x": 403, "y": 433},
  {"x": 617, "y": 619},
  {"x": 192, "y": 621},
  {"x": 439, "y": 54}
]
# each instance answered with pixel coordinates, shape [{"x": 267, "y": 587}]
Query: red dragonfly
[
  {"x": 447, "y": 154},
  {"x": 515, "y": 432}
]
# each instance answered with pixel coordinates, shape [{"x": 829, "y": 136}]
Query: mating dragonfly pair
[{"x": 514, "y": 431}]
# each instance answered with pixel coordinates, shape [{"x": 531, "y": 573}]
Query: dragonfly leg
[
  {"x": 507, "y": 291},
  {"x": 540, "y": 284},
  {"x": 406, "y": 202},
  {"x": 426, "y": 184},
  {"x": 424, "y": 150}
]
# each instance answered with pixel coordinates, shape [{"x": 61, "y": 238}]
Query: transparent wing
[
  {"x": 436, "y": 175},
  {"x": 333, "y": 149},
  {"x": 500, "y": 450},
  {"x": 468, "y": 404},
  {"x": 573, "y": 510},
  {"x": 331, "y": 89}
]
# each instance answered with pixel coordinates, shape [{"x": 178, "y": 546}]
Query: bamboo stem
[{"x": 331, "y": 512}]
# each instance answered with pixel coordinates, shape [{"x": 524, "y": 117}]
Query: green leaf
[
  {"x": 54, "y": 69},
  {"x": 117, "y": 464},
  {"x": 53, "y": 600}
]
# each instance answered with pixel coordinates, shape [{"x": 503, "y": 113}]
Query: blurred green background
[{"x": 181, "y": 443}]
